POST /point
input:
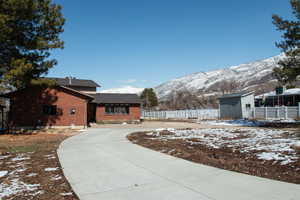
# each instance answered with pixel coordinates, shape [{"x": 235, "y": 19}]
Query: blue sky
[{"x": 143, "y": 43}]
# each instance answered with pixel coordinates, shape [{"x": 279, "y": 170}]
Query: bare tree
[
  {"x": 183, "y": 99},
  {"x": 229, "y": 86},
  {"x": 265, "y": 87}
]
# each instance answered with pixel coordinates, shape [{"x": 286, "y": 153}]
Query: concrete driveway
[{"x": 102, "y": 164}]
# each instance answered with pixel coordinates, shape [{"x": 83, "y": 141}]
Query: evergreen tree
[
  {"x": 149, "y": 98},
  {"x": 29, "y": 30},
  {"x": 289, "y": 68}
]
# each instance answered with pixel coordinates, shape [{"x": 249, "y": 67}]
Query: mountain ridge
[
  {"x": 245, "y": 74},
  {"x": 248, "y": 76}
]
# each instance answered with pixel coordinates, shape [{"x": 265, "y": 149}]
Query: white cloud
[
  {"x": 124, "y": 89},
  {"x": 128, "y": 81}
]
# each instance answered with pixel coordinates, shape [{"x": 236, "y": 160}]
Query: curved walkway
[{"x": 102, "y": 164}]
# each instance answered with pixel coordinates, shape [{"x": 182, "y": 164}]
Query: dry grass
[
  {"x": 40, "y": 149},
  {"x": 30, "y": 141}
]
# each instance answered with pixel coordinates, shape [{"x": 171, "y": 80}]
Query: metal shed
[{"x": 236, "y": 105}]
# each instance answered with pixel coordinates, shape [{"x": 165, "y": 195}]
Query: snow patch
[
  {"x": 56, "y": 177},
  {"x": 241, "y": 122},
  {"x": 31, "y": 175},
  {"x": 271, "y": 144},
  {"x": 50, "y": 169},
  {"x": 3, "y": 173},
  {"x": 3, "y": 157},
  {"x": 66, "y": 194},
  {"x": 21, "y": 170},
  {"x": 20, "y": 157},
  {"x": 16, "y": 186},
  {"x": 50, "y": 156}
]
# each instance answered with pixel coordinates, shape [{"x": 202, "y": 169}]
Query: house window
[
  {"x": 116, "y": 109},
  {"x": 248, "y": 105},
  {"x": 49, "y": 110}
]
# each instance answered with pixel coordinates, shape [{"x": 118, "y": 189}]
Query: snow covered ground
[
  {"x": 265, "y": 144},
  {"x": 241, "y": 122},
  {"x": 10, "y": 179},
  {"x": 17, "y": 180}
]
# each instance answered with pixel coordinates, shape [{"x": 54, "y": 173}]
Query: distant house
[
  {"x": 72, "y": 102},
  {"x": 289, "y": 97},
  {"x": 236, "y": 105}
]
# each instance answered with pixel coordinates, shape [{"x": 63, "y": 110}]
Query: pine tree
[
  {"x": 29, "y": 30},
  {"x": 289, "y": 68},
  {"x": 149, "y": 98}
]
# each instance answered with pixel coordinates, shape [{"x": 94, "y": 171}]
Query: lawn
[
  {"x": 29, "y": 166},
  {"x": 264, "y": 152}
]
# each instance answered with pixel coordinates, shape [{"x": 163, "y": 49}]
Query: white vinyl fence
[
  {"x": 182, "y": 114},
  {"x": 282, "y": 112}
]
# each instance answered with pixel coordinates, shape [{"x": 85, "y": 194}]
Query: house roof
[
  {"x": 82, "y": 94},
  {"x": 234, "y": 95},
  {"x": 71, "y": 81},
  {"x": 116, "y": 98}
]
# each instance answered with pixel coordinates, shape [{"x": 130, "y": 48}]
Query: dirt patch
[
  {"x": 29, "y": 166},
  {"x": 225, "y": 157},
  {"x": 279, "y": 124}
]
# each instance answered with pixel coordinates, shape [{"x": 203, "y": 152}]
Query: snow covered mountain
[
  {"x": 247, "y": 75},
  {"x": 125, "y": 89}
]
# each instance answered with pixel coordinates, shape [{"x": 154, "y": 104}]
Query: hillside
[{"x": 247, "y": 76}]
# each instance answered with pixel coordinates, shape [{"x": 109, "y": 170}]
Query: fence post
[
  {"x": 298, "y": 109},
  {"x": 266, "y": 112}
]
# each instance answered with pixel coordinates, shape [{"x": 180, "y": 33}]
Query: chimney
[{"x": 70, "y": 79}]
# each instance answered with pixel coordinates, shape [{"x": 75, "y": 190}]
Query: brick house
[
  {"x": 72, "y": 102},
  {"x": 115, "y": 107}
]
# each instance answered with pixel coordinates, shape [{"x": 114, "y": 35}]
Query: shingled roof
[
  {"x": 116, "y": 98},
  {"x": 71, "y": 81}
]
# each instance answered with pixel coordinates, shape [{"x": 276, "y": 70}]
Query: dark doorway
[{"x": 92, "y": 112}]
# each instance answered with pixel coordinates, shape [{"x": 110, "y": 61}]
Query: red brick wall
[
  {"x": 134, "y": 114},
  {"x": 27, "y": 107}
]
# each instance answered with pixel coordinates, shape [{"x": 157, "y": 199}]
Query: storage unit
[{"x": 236, "y": 105}]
